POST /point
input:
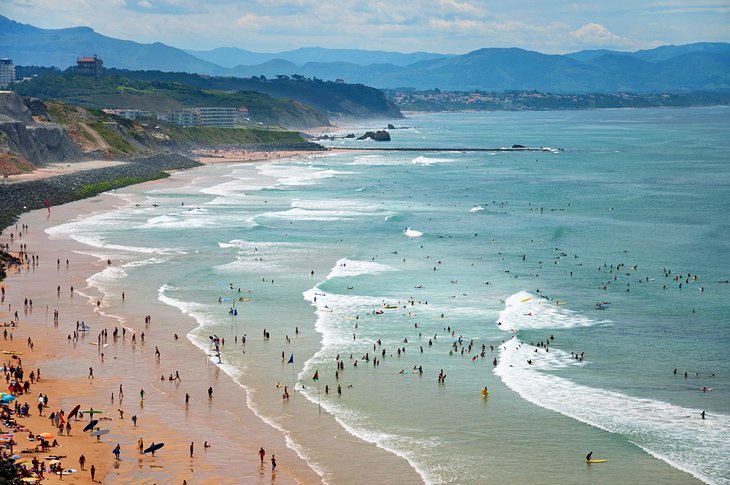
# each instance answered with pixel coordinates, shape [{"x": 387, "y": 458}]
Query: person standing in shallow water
[{"x": 262, "y": 454}]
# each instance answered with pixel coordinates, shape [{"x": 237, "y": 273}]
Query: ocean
[{"x": 571, "y": 282}]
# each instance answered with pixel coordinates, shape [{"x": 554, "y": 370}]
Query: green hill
[{"x": 112, "y": 91}]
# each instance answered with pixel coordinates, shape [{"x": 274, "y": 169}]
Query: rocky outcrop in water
[{"x": 380, "y": 135}]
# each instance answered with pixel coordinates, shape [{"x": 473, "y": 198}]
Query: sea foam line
[
  {"x": 655, "y": 426},
  {"x": 195, "y": 310}
]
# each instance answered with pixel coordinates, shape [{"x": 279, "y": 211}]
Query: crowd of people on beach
[{"x": 28, "y": 461}]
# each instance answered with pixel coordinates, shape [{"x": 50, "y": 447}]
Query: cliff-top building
[
  {"x": 7, "y": 72},
  {"x": 89, "y": 66}
]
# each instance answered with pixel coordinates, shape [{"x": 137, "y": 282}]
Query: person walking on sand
[
  {"x": 262, "y": 454},
  {"x": 192, "y": 446},
  {"x": 210, "y": 393},
  {"x": 92, "y": 470},
  {"x": 82, "y": 461},
  {"x": 91, "y": 372},
  {"x": 117, "y": 451},
  {"x": 141, "y": 394},
  {"x": 273, "y": 463}
]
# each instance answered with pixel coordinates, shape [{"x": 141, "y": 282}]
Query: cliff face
[
  {"x": 39, "y": 143},
  {"x": 25, "y": 139}
]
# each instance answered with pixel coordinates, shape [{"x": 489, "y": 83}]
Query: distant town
[
  {"x": 437, "y": 100},
  {"x": 405, "y": 99}
]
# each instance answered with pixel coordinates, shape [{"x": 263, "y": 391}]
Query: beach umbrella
[
  {"x": 53, "y": 462},
  {"x": 47, "y": 436},
  {"x": 7, "y": 398},
  {"x": 15, "y": 457}
]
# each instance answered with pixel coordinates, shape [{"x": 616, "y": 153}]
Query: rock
[
  {"x": 519, "y": 146},
  {"x": 380, "y": 135},
  {"x": 38, "y": 143},
  {"x": 391, "y": 127},
  {"x": 350, "y": 135}
]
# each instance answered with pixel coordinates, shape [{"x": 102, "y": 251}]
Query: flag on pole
[
  {"x": 291, "y": 359},
  {"x": 48, "y": 205},
  {"x": 315, "y": 378}
]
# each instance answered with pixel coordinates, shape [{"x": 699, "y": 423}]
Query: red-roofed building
[{"x": 90, "y": 66}]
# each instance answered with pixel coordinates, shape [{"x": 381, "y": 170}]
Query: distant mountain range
[{"x": 691, "y": 67}]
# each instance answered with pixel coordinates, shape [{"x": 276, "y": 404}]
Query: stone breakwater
[{"x": 16, "y": 198}]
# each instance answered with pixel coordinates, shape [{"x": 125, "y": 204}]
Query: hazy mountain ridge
[
  {"x": 690, "y": 67},
  {"x": 231, "y": 57}
]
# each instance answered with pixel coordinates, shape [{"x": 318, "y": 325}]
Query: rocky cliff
[{"x": 25, "y": 138}]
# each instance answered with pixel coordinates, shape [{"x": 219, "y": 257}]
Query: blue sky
[{"x": 446, "y": 26}]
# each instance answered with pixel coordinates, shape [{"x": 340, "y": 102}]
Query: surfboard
[
  {"x": 526, "y": 299},
  {"x": 74, "y": 411},
  {"x": 91, "y": 424},
  {"x": 99, "y": 432},
  {"x": 437, "y": 316},
  {"x": 596, "y": 461},
  {"x": 12, "y": 352},
  {"x": 154, "y": 447}
]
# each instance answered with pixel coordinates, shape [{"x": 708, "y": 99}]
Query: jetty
[{"x": 434, "y": 149}]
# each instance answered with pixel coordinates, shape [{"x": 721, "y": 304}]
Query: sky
[{"x": 443, "y": 26}]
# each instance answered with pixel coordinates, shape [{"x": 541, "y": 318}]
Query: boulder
[{"x": 380, "y": 135}]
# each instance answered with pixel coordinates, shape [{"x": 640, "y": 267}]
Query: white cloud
[
  {"x": 597, "y": 35},
  {"x": 463, "y": 8},
  {"x": 252, "y": 21}
]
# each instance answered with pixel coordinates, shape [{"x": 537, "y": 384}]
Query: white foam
[
  {"x": 236, "y": 372},
  {"x": 258, "y": 256},
  {"x": 430, "y": 161},
  {"x": 412, "y": 232},
  {"x": 311, "y": 215},
  {"x": 671, "y": 433},
  {"x": 296, "y": 175},
  {"x": 526, "y": 311},
  {"x": 476, "y": 208},
  {"x": 347, "y": 267}
]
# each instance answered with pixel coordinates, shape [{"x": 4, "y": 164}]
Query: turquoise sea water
[{"x": 512, "y": 249}]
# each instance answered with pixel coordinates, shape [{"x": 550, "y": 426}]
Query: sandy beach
[
  {"x": 175, "y": 412},
  {"x": 162, "y": 415}
]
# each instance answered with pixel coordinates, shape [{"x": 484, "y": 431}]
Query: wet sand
[{"x": 233, "y": 431}]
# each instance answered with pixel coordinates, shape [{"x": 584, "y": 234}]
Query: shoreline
[
  {"x": 234, "y": 422},
  {"x": 68, "y": 364}
]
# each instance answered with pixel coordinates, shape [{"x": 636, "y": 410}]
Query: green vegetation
[
  {"x": 235, "y": 136},
  {"x": 92, "y": 189},
  {"x": 113, "y": 91},
  {"x": 114, "y": 139}
]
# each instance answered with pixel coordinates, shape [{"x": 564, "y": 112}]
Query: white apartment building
[{"x": 7, "y": 72}]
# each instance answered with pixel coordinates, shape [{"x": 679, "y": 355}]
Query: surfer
[
  {"x": 702, "y": 414},
  {"x": 588, "y": 456}
]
